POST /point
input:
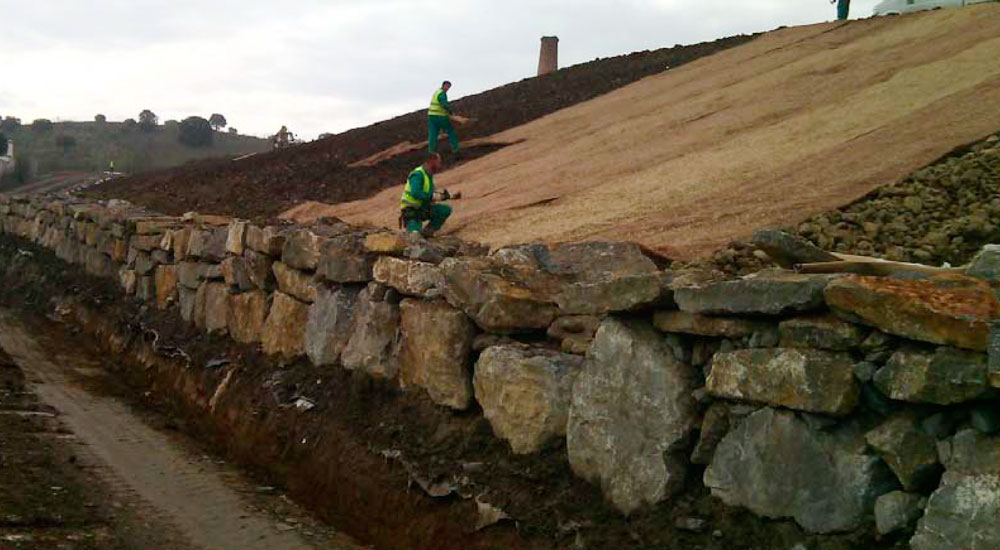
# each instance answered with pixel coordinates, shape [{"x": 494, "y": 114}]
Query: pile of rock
[{"x": 836, "y": 401}]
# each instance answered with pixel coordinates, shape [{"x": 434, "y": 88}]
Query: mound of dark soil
[{"x": 266, "y": 184}]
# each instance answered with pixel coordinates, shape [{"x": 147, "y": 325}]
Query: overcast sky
[{"x": 326, "y": 66}]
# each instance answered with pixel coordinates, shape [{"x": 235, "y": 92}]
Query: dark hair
[
  {"x": 446, "y": 83},
  {"x": 435, "y": 156}
]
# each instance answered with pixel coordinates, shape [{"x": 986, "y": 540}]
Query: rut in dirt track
[{"x": 196, "y": 497}]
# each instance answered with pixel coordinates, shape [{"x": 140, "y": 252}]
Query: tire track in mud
[{"x": 194, "y": 497}]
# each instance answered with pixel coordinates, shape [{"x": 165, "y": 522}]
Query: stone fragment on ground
[
  {"x": 631, "y": 416},
  {"x": 525, "y": 394},
  {"x": 802, "y": 379},
  {"x": 774, "y": 464}
]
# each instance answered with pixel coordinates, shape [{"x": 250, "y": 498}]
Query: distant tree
[
  {"x": 195, "y": 132},
  {"x": 10, "y": 124},
  {"x": 41, "y": 125},
  {"x": 65, "y": 142},
  {"x": 148, "y": 120},
  {"x": 217, "y": 121},
  {"x": 100, "y": 118},
  {"x": 233, "y": 131},
  {"x": 129, "y": 124},
  {"x": 171, "y": 124},
  {"x": 3, "y": 144}
]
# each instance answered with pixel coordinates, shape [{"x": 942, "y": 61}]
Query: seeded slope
[{"x": 800, "y": 121}]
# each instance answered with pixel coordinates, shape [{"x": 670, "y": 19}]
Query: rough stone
[
  {"x": 144, "y": 264},
  {"x": 247, "y": 314},
  {"x": 191, "y": 274},
  {"x": 166, "y": 285},
  {"x": 704, "y": 325},
  {"x": 374, "y": 343},
  {"x": 577, "y": 344},
  {"x": 344, "y": 260},
  {"x": 765, "y": 293},
  {"x": 802, "y": 379},
  {"x": 986, "y": 264},
  {"x": 328, "y": 329},
  {"x": 285, "y": 329},
  {"x": 435, "y": 352},
  {"x": 302, "y": 249},
  {"x": 599, "y": 278},
  {"x": 827, "y": 332},
  {"x": 128, "y": 281},
  {"x": 146, "y": 243},
  {"x": 180, "y": 239},
  {"x": 865, "y": 371},
  {"x": 498, "y": 300},
  {"x": 985, "y": 417},
  {"x": 155, "y": 226},
  {"x": 909, "y": 451},
  {"x": 386, "y": 243},
  {"x": 236, "y": 274},
  {"x": 631, "y": 416},
  {"x": 714, "y": 427},
  {"x": 236, "y": 238},
  {"x": 208, "y": 244},
  {"x": 951, "y": 311},
  {"x": 525, "y": 394},
  {"x": 409, "y": 277},
  {"x": 574, "y": 326},
  {"x": 777, "y": 466},
  {"x": 268, "y": 241},
  {"x": 993, "y": 351},
  {"x": 212, "y": 307},
  {"x": 187, "y": 300},
  {"x": 294, "y": 282},
  {"x": 145, "y": 289},
  {"x": 788, "y": 249},
  {"x": 259, "y": 269},
  {"x": 944, "y": 377},
  {"x": 897, "y": 511}
]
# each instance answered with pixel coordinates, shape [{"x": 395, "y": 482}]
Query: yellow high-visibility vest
[
  {"x": 436, "y": 108},
  {"x": 408, "y": 200}
]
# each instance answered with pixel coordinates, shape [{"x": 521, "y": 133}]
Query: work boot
[{"x": 428, "y": 232}]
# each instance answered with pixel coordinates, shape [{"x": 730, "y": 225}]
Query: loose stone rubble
[{"x": 839, "y": 402}]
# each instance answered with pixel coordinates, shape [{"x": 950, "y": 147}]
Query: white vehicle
[{"x": 896, "y": 7}]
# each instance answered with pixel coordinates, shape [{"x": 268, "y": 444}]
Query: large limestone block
[
  {"x": 191, "y": 274},
  {"x": 328, "y": 329},
  {"x": 247, "y": 314},
  {"x": 236, "y": 238},
  {"x": 375, "y": 336},
  {"x": 409, "y": 277},
  {"x": 603, "y": 277},
  {"x": 179, "y": 240},
  {"x": 525, "y": 394},
  {"x": 208, "y": 244},
  {"x": 384, "y": 242},
  {"x": 776, "y": 465},
  {"x": 285, "y": 328},
  {"x": 188, "y": 301},
  {"x": 265, "y": 240},
  {"x": 155, "y": 225},
  {"x": 704, "y": 325},
  {"x": 166, "y": 285},
  {"x": 944, "y": 377},
  {"x": 821, "y": 331},
  {"x": 498, "y": 300},
  {"x": 344, "y": 260},
  {"x": 954, "y": 311},
  {"x": 802, "y": 379},
  {"x": 259, "y": 269},
  {"x": 302, "y": 249},
  {"x": 963, "y": 512},
  {"x": 764, "y": 293},
  {"x": 908, "y": 450},
  {"x": 294, "y": 282},
  {"x": 236, "y": 274},
  {"x": 435, "y": 351},
  {"x": 631, "y": 416},
  {"x": 212, "y": 307}
]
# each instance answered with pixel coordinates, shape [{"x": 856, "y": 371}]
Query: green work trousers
[
  {"x": 843, "y": 9},
  {"x": 435, "y": 124},
  {"x": 436, "y": 214}
]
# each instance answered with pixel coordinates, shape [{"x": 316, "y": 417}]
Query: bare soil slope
[{"x": 799, "y": 121}]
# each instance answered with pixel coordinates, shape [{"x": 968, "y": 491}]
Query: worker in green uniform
[
  {"x": 843, "y": 8},
  {"x": 417, "y": 205},
  {"x": 439, "y": 118}
]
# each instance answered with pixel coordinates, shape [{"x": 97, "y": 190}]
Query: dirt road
[
  {"x": 186, "y": 500},
  {"x": 800, "y": 121}
]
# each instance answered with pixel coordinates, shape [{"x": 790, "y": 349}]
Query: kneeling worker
[{"x": 418, "y": 204}]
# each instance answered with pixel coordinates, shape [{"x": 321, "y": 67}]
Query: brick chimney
[{"x": 548, "y": 59}]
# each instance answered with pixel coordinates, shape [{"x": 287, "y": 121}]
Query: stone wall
[{"x": 839, "y": 402}]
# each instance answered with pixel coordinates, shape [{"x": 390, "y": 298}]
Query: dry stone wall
[{"x": 838, "y": 402}]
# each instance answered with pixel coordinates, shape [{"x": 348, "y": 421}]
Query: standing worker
[
  {"x": 843, "y": 8},
  {"x": 439, "y": 118},
  {"x": 417, "y": 204}
]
